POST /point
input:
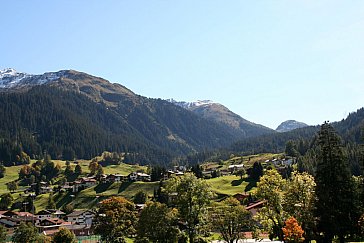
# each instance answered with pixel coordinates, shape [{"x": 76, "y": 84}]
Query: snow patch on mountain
[
  {"x": 188, "y": 105},
  {"x": 10, "y": 78}
]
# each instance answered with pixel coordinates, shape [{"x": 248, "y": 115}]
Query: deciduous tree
[
  {"x": 158, "y": 223},
  {"x": 25, "y": 233},
  {"x": 64, "y": 236},
  {"x": 191, "y": 197},
  {"x": 293, "y": 233},
  {"x": 271, "y": 189},
  {"x": 115, "y": 219},
  {"x": 231, "y": 219},
  {"x": 299, "y": 201}
]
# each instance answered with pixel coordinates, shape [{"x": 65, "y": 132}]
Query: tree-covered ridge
[
  {"x": 68, "y": 125},
  {"x": 302, "y": 139}
]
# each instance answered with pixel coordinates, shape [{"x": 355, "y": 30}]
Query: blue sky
[{"x": 267, "y": 61}]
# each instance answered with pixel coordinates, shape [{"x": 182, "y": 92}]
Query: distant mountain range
[
  {"x": 290, "y": 125},
  {"x": 71, "y": 114}
]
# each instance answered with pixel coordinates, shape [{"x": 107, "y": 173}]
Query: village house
[
  {"x": 234, "y": 168},
  {"x": 116, "y": 178},
  {"x": 81, "y": 217},
  {"x": 50, "y": 213},
  {"x": 83, "y": 183},
  {"x": 138, "y": 176}
]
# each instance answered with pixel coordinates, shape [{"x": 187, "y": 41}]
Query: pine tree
[{"x": 334, "y": 187}]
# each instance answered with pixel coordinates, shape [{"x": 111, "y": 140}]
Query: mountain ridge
[
  {"x": 117, "y": 119},
  {"x": 220, "y": 113},
  {"x": 290, "y": 125}
]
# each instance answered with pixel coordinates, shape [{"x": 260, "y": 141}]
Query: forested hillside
[
  {"x": 350, "y": 129},
  {"x": 67, "y": 124}
]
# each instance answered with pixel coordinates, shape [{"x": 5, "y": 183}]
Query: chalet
[
  {"x": 116, "y": 178},
  {"x": 49, "y": 213},
  {"x": 138, "y": 176},
  {"x": 81, "y": 217},
  {"x": 83, "y": 183},
  {"x": 233, "y": 168}
]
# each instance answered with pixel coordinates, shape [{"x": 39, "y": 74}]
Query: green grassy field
[
  {"x": 230, "y": 185},
  {"x": 225, "y": 185}
]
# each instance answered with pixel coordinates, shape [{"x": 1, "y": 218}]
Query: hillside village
[{"x": 79, "y": 221}]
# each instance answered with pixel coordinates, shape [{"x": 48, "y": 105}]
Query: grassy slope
[
  {"x": 226, "y": 185},
  {"x": 230, "y": 185}
]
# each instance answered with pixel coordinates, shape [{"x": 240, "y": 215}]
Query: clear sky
[{"x": 268, "y": 61}]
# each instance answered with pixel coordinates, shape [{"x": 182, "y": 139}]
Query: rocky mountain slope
[
  {"x": 290, "y": 125},
  {"x": 221, "y": 114}
]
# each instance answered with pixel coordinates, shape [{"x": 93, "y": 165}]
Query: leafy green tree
[
  {"x": 140, "y": 197},
  {"x": 231, "y": 219},
  {"x": 299, "y": 201},
  {"x": 64, "y": 236},
  {"x": 12, "y": 186},
  {"x": 191, "y": 197},
  {"x": 240, "y": 172},
  {"x": 271, "y": 188},
  {"x": 335, "y": 194},
  {"x": 68, "y": 208},
  {"x": 115, "y": 219},
  {"x": 158, "y": 223},
  {"x": 5, "y": 201},
  {"x": 3, "y": 234},
  {"x": 93, "y": 166},
  {"x": 25, "y": 233}
]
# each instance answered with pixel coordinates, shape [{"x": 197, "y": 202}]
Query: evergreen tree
[
  {"x": 334, "y": 187},
  {"x": 78, "y": 169}
]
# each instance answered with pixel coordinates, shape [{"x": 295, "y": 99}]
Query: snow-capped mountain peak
[
  {"x": 10, "y": 78},
  {"x": 8, "y": 72}
]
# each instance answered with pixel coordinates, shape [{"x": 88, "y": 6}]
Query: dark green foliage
[
  {"x": 68, "y": 208},
  {"x": 12, "y": 186},
  {"x": 2, "y": 171},
  {"x": 157, "y": 173},
  {"x": 78, "y": 170},
  {"x": 25, "y": 233},
  {"x": 256, "y": 171},
  {"x": 70, "y": 125},
  {"x": 335, "y": 206},
  {"x": 5, "y": 201},
  {"x": 140, "y": 197},
  {"x": 197, "y": 170},
  {"x": 64, "y": 236},
  {"x": 157, "y": 223},
  {"x": 3, "y": 234}
]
